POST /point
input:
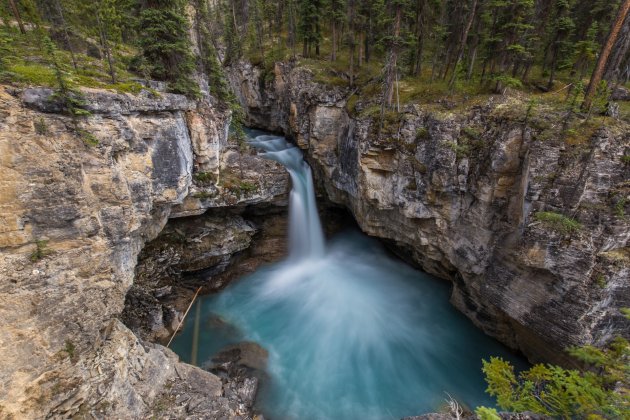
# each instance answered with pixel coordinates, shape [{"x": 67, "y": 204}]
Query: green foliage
[
  {"x": 625, "y": 159},
  {"x": 422, "y": 133},
  {"x": 601, "y": 281},
  {"x": 40, "y": 127},
  {"x": 70, "y": 348},
  {"x": 566, "y": 393},
  {"x": 205, "y": 178},
  {"x": 33, "y": 74},
  {"x": 309, "y": 12},
  {"x": 461, "y": 149},
  {"x": 600, "y": 101},
  {"x": 504, "y": 81},
  {"x": 41, "y": 251},
  {"x": 620, "y": 207},
  {"x": 472, "y": 133},
  {"x": 86, "y": 137},
  {"x": 239, "y": 187},
  {"x": 558, "y": 222},
  {"x": 166, "y": 46},
  {"x": 485, "y": 413},
  {"x": 70, "y": 99}
]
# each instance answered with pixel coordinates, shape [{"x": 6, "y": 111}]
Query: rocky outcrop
[
  {"x": 206, "y": 251},
  {"x": 527, "y": 220},
  {"x": 79, "y": 198}
]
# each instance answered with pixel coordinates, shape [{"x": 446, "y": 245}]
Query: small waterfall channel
[{"x": 351, "y": 332}]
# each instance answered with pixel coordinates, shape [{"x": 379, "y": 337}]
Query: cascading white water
[
  {"x": 306, "y": 239},
  {"x": 351, "y": 332}
]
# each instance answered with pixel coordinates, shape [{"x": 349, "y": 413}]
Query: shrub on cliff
[
  {"x": 600, "y": 391},
  {"x": 558, "y": 222}
]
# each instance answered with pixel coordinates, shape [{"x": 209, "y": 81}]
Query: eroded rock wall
[
  {"x": 456, "y": 190},
  {"x": 79, "y": 198}
]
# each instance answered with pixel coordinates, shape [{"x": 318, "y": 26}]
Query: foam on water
[{"x": 351, "y": 332}]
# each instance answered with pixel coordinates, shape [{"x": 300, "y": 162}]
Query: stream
[{"x": 351, "y": 332}]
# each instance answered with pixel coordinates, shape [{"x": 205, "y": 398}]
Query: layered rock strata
[
  {"x": 79, "y": 198},
  {"x": 527, "y": 219}
]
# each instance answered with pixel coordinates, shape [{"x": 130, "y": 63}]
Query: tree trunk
[
  {"x": 292, "y": 27},
  {"x": 471, "y": 64},
  {"x": 436, "y": 53},
  {"x": 462, "y": 44},
  {"x": 619, "y": 52},
  {"x": 65, "y": 32},
  {"x": 317, "y": 34},
  {"x": 605, "y": 53},
  {"x": 528, "y": 67},
  {"x": 475, "y": 46},
  {"x": 368, "y": 37},
  {"x": 333, "y": 54},
  {"x": 361, "y": 44},
  {"x": 352, "y": 46},
  {"x": 393, "y": 58},
  {"x": 197, "y": 25},
  {"x": 105, "y": 44},
  {"x": 417, "y": 58},
  {"x": 16, "y": 14},
  {"x": 554, "y": 62}
]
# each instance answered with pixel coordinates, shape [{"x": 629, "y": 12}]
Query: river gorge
[{"x": 104, "y": 246}]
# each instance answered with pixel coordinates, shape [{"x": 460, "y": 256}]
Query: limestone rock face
[
  {"x": 79, "y": 198},
  {"x": 204, "y": 251},
  {"x": 458, "y": 193}
]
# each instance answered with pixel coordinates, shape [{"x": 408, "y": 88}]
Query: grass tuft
[{"x": 558, "y": 222}]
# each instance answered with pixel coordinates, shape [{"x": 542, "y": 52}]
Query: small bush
[
  {"x": 40, "y": 127},
  {"x": 471, "y": 133},
  {"x": 504, "y": 81},
  {"x": 620, "y": 207},
  {"x": 485, "y": 413},
  {"x": 558, "y": 222},
  {"x": 422, "y": 133},
  {"x": 601, "y": 281},
  {"x": 70, "y": 348},
  {"x": 239, "y": 187},
  {"x": 88, "y": 138},
  {"x": 562, "y": 393},
  {"x": 205, "y": 178},
  {"x": 461, "y": 149},
  {"x": 41, "y": 251},
  {"x": 626, "y": 159}
]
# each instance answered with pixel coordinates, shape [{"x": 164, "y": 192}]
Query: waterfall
[
  {"x": 351, "y": 333},
  {"x": 306, "y": 239}
]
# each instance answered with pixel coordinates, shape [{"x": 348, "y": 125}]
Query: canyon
[
  {"x": 455, "y": 190},
  {"x": 100, "y": 213}
]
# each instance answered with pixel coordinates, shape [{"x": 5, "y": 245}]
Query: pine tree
[
  {"x": 462, "y": 44},
  {"x": 17, "y": 16},
  {"x": 308, "y": 25},
  {"x": 562, "y": 393},
  {"x": 560, "y": 46},
  {"x": 166, "y": 46},
  {"x": 605, "y": 54}
]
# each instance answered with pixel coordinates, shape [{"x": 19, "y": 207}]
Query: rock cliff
[
  {"x": 79, "y": 198},
  {"x": 528, "y": 220}
]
